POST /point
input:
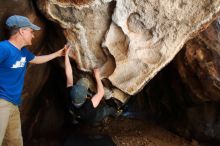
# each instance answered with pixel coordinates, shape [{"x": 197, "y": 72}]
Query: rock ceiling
[{"x": 131, "y": 40}]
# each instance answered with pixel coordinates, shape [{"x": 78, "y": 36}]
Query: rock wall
[
  {"x": 185, "y": 95},
  {"x": 199, "y": 69},
  {"x": 199, "y": 64},
  {"x": 130, "y": 40}
]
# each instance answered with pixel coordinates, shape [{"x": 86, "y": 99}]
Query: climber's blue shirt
[{"x": 13, "y": 63}]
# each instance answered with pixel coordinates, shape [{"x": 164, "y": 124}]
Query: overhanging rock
[{"x": 131, "y": 39}]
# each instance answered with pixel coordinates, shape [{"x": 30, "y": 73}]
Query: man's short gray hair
[{"x": 13, "y": 30}]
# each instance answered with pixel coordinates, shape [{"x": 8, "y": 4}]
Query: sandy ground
[
  {"x": 130, "y": 132},
  {"x": 124, "y": 132}
]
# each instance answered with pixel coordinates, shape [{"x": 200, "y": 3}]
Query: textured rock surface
[
  {"x": 156, "y": 31},
  {"x": 190, "y": 104},
  {"x": 132, "y": 40},
  {"x": 199, "y": 64}
]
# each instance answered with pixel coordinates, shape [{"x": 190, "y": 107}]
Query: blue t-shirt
[{"x": 13, "y": 63}]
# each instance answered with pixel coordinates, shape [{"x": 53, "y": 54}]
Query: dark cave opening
[{"x": 165, "y": 101}]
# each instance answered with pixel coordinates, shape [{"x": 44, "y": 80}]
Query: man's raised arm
[
  {"x": 100, "y": 90},
  {"x": 68, "y": 68},
  {"x": 46, "y": 58}
]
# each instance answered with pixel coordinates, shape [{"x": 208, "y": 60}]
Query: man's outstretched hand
[{"x": 66, "y": 50}]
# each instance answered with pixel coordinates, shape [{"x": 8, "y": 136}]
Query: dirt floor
[
  {"x": 123, "y": 132},
  {"x": 130, "y": 132}
]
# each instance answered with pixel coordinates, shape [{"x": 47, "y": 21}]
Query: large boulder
[{"x": 130, "y": 40}]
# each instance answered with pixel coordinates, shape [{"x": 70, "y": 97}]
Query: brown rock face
[
  {"x": 199, "y": 65},
  {"x": 132, "y": 40},
  {"x": 196, "y": 101},
  {"x": 76, "y": 2}
]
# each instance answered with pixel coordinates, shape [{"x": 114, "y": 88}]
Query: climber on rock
[{"x": 87, "y": 109}]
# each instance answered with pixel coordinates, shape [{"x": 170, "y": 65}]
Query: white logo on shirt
[{"x": 20, "y": 63}]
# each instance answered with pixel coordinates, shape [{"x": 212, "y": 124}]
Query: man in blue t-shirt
[{"x": 13, "y": 62}]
